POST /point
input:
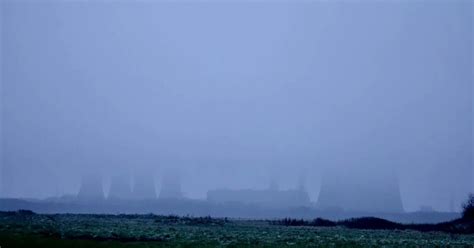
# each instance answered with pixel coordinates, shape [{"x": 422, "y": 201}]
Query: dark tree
[{"x": 468, "y": 208}]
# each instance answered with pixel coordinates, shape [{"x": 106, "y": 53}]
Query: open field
[{"x": 67, "y": 230}]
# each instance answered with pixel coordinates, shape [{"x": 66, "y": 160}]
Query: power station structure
[
  {"x": 272, "y": 197},
  {"x": 377, "y": 192},
  {"x": 350, "y": 191},
  {"x": 171, "y": 185},
  {"x": 265, "y": 198}
]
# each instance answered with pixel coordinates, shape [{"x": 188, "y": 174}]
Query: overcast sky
[{"x": 237, "y": 94}]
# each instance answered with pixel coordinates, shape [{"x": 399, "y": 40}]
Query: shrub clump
[
  {"x": 26, "y": 212},
  {"x": 468, "y": 208}
]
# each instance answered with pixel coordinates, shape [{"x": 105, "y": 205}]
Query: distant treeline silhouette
[
  {"x": 464, "y": 225},
  {"x": 455, "y": 226}
]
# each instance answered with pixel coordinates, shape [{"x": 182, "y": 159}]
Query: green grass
[{"x": 35, "y": 230}]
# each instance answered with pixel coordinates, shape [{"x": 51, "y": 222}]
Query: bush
[
  {"x": 370, "y": 223},
  {"x": 322, "y": 222},
  {"x": 468, "y": 208},
  {"x": 25, "y": 212}
]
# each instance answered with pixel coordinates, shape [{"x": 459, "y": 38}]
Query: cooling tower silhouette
[
  {"x": 375, "y": 193},
  {"x": 120, "y": 188},
  {"x": 171, "y": 185},
  {"x": 91, "y": 188},
  {"x": 144, "y": 186}
]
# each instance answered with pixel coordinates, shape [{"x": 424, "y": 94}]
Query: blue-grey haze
[{"x": 236, "y": 94}]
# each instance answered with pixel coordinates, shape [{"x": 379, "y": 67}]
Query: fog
[{"x": 239, "y": 94}]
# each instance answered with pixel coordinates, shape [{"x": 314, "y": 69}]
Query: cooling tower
[
  {"x": 91, "y": 188},
  {"x": 375, "y": 192},
  {"x": 120, "y": 187},
  {"x": 144, "y": 186},
  {"x": 171, "y": 185}
]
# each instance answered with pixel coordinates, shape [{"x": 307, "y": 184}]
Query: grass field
[{"x": 36, "y": 230}]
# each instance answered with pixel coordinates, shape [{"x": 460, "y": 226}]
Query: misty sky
[{"x": 237, "y": 94}]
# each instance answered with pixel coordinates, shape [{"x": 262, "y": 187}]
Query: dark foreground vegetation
[
  {"x": 463, "y": 225},
  {"x": 460, "y": 226},
  {"x": 28, "y": 229}
]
